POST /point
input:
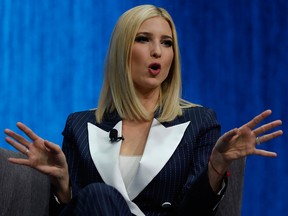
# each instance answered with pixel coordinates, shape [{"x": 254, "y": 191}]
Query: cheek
[
  {"x": 169, "y": 59},
  {"x": 137, "y": 56},
  {"x": 171, "y": 55}
]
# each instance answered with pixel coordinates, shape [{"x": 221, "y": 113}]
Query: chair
[
  {"x": 232, "y": 201},
  {"x": 24, "y": 191}
]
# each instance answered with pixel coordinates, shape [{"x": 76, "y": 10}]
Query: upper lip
[{"x": 155, "y": 66}]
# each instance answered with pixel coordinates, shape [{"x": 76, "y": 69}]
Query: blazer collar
[{"x": 105, "y": 156}]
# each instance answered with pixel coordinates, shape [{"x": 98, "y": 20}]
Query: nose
[{"x": 156, "y": 50}]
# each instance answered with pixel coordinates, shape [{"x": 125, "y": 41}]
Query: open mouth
[{"x": 154, "y": 68}]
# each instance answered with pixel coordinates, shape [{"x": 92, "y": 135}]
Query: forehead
[{"x": 156, "y": 24}]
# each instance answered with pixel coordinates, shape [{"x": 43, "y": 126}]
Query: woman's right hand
[{"x": 43, "y": 156}]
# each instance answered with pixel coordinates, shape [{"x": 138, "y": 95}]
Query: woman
[{"x": 168, "y": 157}]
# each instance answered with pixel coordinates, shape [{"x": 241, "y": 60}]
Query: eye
[
  {"x": 142, "y": 39},
  {"x": 167, "y": 43}
]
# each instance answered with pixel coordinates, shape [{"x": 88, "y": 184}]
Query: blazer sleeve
[
  {"x": 82, "y": 170},
  {"x": 68, "y": 147},
  {"x": 198, "y": 196},
  {"x": 70, "y": 150}
]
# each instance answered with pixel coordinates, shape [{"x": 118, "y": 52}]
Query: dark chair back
[
  {"x": 232, "y": 200},
  {"x": 24, "y": 191}
]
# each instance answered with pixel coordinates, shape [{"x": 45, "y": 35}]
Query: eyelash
[
  {"x": 143, "y": 39},
  {"x": 168, "y": 43}
]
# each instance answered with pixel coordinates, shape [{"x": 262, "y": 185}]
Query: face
[{"x": 152, "y": 55}]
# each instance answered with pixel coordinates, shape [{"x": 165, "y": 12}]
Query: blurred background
[{"x": 234, "y": 60}]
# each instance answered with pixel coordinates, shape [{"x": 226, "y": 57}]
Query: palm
[
  {"x": 239, "y": 146},
  {"x": 44, "y": 159},
  {"x": 43, "y": 155},
  {"x": 239, "y": 143}
]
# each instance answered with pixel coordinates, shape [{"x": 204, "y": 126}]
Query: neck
[{"x": 150, "y": 100}]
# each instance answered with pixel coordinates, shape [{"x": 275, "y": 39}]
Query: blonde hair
[{"x": 118, "y": 91}]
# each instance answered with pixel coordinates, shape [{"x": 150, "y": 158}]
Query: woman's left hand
[{"x": 243, "y": 141}]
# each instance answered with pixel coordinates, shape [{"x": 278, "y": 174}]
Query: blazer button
[{"x": 166, "y": 205}]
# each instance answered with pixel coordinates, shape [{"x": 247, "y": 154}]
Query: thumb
[
  {"x": 50, "y": 146},
  {"x": 229, "y": 135}
]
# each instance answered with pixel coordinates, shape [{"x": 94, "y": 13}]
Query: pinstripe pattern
[
  {"x": 183, "y": 181},
  {"x": 100, "y": 198}
]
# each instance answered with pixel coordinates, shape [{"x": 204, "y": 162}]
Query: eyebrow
[{"x": 149, "y": 34}]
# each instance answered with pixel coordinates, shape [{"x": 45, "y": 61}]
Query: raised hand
[
  {"x": 243, "y": 141},
  {"x": 43, "y": 156}
]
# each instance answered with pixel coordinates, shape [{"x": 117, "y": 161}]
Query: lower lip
[{"x": 154, "y": 72}]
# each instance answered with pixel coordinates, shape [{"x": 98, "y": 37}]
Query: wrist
[
  {"x": 224, "y": 172},
  {"x": 219, "y": 162},
  {"x": 63, "y": 195},
  {"x": 61, "y": 188},
  {"x": 217, "y": 173}
]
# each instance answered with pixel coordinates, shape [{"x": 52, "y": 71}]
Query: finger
[
  {"x": 27, "y": 131},
  {"x": 16, "y": 145},
  {"x": 17, "y": 137},
  {"x": 19, "y": 161},
  {"x": 257, "y": 119},
  {"x": 267, "y": 127},
  {"x": 265, "y": 153},
  {"x": 228, "y": 135},
  {"x": 270, "y": 136}
]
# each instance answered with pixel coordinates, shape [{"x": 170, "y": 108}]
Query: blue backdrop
[{"x": 234, "y": 60}]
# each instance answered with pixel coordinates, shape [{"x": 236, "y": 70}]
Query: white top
[
  {"x": 105, "y": 156},
  {"x": 128, "y": 167}
]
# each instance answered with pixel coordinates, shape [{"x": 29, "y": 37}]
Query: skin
[
  {"x": 153, "y": 44},
  {"x": 237, "y": 143},
  {"x": 241, "y": 142}
]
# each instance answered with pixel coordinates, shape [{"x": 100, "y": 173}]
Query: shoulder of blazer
[
  {"x": 194, "y": 114},
  {"x": 81, "y": 118},
  {"x": 197, "y": 114}
]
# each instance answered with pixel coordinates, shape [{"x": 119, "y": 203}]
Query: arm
[
  {"x": 71, "y": 152},
  {"x": 199, "y": 195},
  {"x": 233, "y": 145}
]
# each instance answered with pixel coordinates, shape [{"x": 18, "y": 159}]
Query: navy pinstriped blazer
[{"x": 171, "y": 180}]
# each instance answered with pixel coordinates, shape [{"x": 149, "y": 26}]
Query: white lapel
[
  {"x": 161, "y": 144},
  {"x": 105, "y": 156}
]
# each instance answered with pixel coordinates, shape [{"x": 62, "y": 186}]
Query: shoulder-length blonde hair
[{"x": 118, "y": 91}]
